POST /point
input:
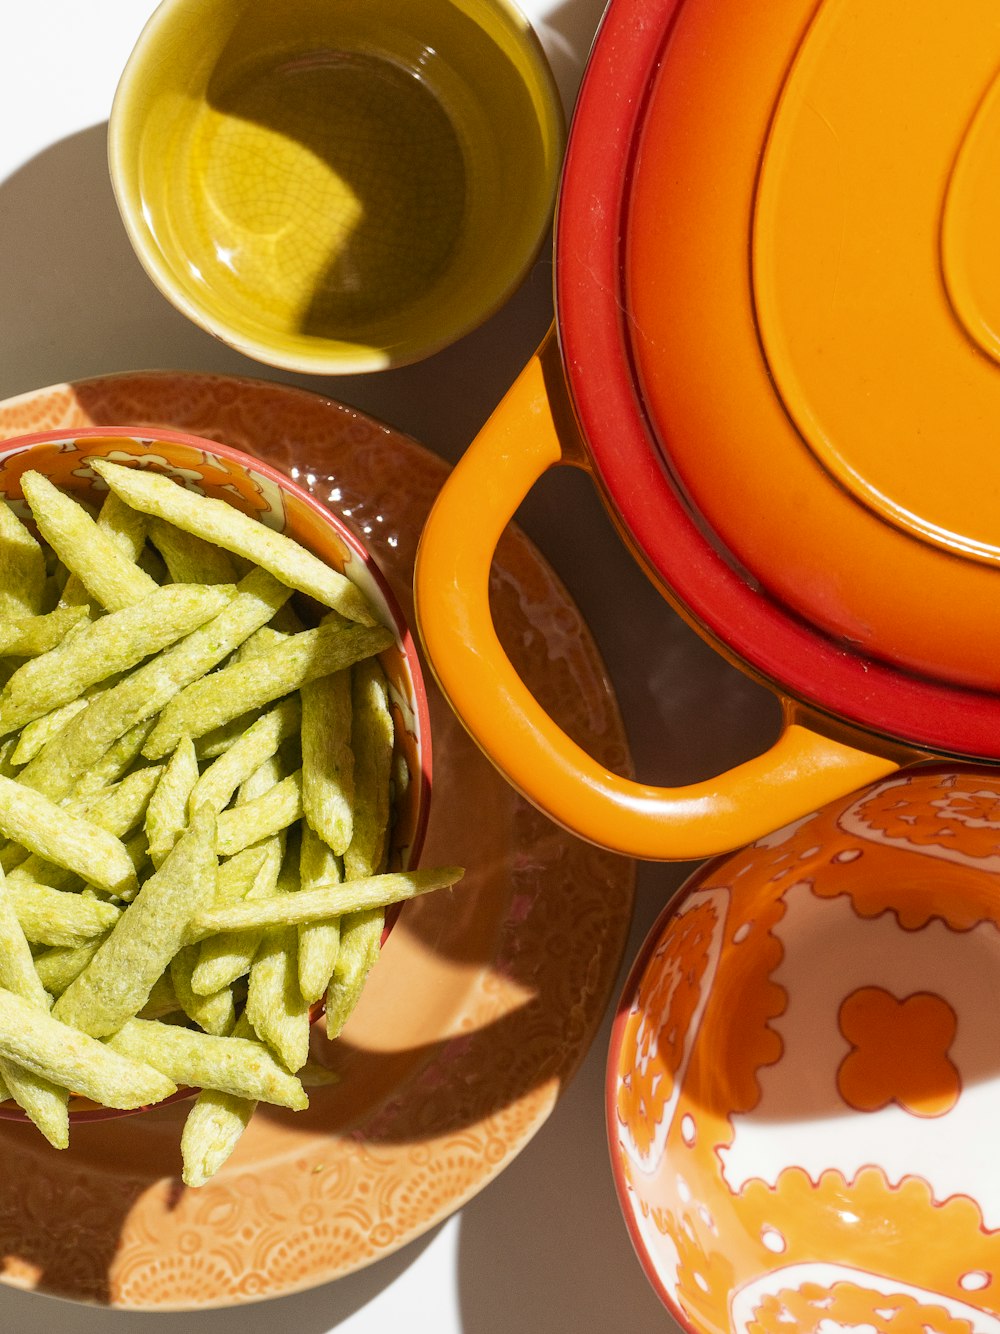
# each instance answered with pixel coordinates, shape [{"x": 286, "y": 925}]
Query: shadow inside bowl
[{"x": 371, "y": 180}]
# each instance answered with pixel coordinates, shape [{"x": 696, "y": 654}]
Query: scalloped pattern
[{"x": 482, "y": 1007}]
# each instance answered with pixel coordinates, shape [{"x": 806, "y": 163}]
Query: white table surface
[{"x": 542, "y": 1249}]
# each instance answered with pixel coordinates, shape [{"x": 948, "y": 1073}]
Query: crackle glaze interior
[{"x": 317, "y": 185}]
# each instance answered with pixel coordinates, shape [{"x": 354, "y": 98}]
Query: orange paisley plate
[{"x": 483, "y": 1004}]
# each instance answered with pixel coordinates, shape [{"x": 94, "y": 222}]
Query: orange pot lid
[{"x": 808, "y": 211}]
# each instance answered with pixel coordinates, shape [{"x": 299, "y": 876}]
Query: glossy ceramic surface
[
  {"x": 485, "y": 1004},
  {"x": 705, "y": 148},
  {"x": 815, "y": 586},
  {"x": 809, "y": 764},
  {"x": 803, "y": 1083},
  {"x": 859, "y": 357},
  {"x": 327, "y": 188}
]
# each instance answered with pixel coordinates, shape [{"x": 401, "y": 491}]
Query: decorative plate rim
[{"x": 608, "y": 870}]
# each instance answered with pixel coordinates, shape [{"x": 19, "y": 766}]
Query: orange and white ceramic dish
[
  {"x": 487, "y": 1000},
  {"x": 804, "y": 1081}
]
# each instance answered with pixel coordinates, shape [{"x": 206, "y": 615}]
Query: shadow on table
[
  {"x": 73, "y": 296},
  {"x": 545, "y": 1248},
  {"x": 75, "y": 302}
]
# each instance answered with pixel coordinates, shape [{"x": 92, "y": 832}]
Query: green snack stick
[
  {"x": 239, "y": 1066},
  {"x": 44, "y": 1103},
  {"x": 117, "y": 809},
  {"x": 57, "y": 967},
  {"x": 275, "y": 1005},
  {"x": 260, "y": 642},
  {"x": 224, "y": 958},
  {"x": 360, "y": 945},
  {"x": 64, "y": 1055},
  {"x": 125, "y": 527},
  {"x": 53, "y": 917},
  {"x": 268, "y": 814},
  {"x": 106, "y": 647},
  {"x": 31, "y": 636},
  {"x": 40, "y": 731},
  {"x": 214, "y": 1125},
  {"x": 371, "y": 741},
  {"x": 217, "y": 742},
  {"x": 17, "y": 967},
  {"x": 248, "y": 752},
  {"x": 190, "y": 559},
  {"x": 115, "y": 762},
  {"x": 213, "y": 700},
  {"x": 217, "y": 522},
  {"x": 237, "y": 874},
  {"x": 116, "y": 983},
  {"x": 22, "y": 568},
  {"x": 146, "y": 690},
  {"x": 85, "y": 549},
  {"x": 215, "y": 1013},
  {"x": 377, "y": 891},
  {"x": 166, "y": 814},
  {"x": 328, "y": 760},
  {"x": 120, "y": 806},
  {"x": 319, "y": 942},
  {"x": 32, "y": 820}
]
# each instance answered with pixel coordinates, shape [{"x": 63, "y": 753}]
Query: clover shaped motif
[{"x": 899, "y": 1052}]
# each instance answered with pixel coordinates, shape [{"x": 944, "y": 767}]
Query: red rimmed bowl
[
  {"x": 259, "y": 490},
  {"x": 803, "y": 1081}
]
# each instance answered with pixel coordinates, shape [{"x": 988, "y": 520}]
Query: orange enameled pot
[{"x": 778, "y": 305}]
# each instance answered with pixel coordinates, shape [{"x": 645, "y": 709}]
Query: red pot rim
[{"x": 755, "y": 631}]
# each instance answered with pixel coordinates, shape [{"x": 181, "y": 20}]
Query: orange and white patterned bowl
[
  {"x": 257, "y": 489},
  {"x": 804, "y": 1077}
]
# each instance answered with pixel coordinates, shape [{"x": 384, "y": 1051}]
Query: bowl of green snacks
[{"x": 214, "y": 776}]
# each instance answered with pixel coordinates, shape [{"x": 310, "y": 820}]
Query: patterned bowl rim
[{"x": 628, "y": 993}]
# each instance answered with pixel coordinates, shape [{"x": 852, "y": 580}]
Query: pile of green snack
[{"x": 196, "y": 798}]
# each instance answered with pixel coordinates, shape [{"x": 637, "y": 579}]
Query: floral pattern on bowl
[{"x": 804, "y": 1079}]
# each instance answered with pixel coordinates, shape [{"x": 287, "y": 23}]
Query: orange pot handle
[{"x": 803, "y": 769}]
